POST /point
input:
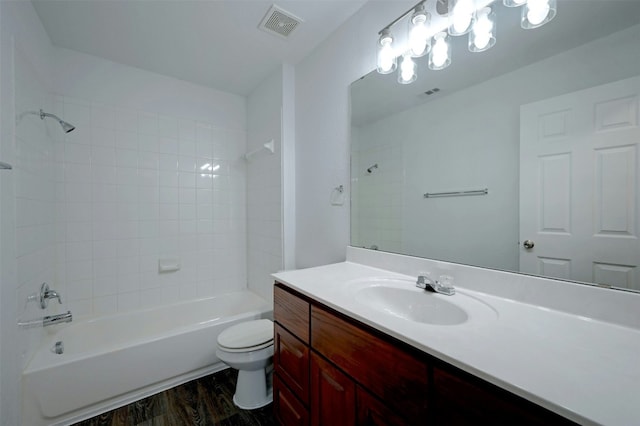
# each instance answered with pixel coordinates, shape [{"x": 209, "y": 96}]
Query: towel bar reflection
[
  {"x": 5, "y": 166},
  {"x": 483, "y": 191}
]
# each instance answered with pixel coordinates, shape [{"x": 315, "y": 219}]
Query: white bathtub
[{"x": 112, "y": 361}]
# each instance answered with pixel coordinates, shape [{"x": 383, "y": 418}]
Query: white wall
[
  {"x": 27, "y": 255},
  {"x": 264, "y": 189},
  {"x": 470, "y": 140},
  {"x": 153, "y": 171},
  {"x": 323, "y": 127}
]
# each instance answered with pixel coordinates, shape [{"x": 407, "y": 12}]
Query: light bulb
[
  {"x": 418, "y": 33},
  {"x": 481, "y": 37},
  {"x": 538, "y": 11},
  {"x": 407, "y": 72},
  {"x": 461, "y": 16},
  {"x": 386, "y": 62},
  {"x": 386, "y": 58},
  {"x": 439, "y": 56},
  {"x": 514, "y": 3}
]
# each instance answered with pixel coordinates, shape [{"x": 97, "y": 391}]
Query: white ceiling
[{"x": 215, "y": 43}]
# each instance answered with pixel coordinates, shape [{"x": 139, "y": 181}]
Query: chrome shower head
[{"x": 65, "y": 126}]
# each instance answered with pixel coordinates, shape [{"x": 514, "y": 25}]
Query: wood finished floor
[{"x": 205, "y": 401}]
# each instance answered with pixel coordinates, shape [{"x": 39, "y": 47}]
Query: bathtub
[{"x": 114, "y": 360}]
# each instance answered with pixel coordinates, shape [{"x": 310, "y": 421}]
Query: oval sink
[
  {"x": 408, "y": 304},
  {"x": 400, "y": 298}
]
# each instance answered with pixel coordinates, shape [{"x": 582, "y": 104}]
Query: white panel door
[{"x": 579, "y": 183}]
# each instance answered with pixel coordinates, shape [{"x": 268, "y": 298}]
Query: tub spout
[{"x": 57, "y": 319}]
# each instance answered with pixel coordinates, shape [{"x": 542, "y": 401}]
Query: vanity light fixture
[
  {"x": 386, "y": 54},
  {"x": 536, "y": 13},
  {"x": 419, "y": 37},
  {"x": 514, "y": 3},
  {"x": 407, "y": 72},
  {"x": 440, "y": 56},
  {"x": 460, "y": 16},
  {"x": 483, "y": 32},
  {"x": 476, "y": 18}
]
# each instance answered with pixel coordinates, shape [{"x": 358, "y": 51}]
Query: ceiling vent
[{"x": 279, "y": 22}]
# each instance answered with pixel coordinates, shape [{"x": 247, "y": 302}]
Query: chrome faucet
[
  {"x": 46, "y": 294},
  {"x": 443, "y": 287}
]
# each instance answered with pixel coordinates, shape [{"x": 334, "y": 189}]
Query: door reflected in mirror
[{"x": 546, "y": 122}]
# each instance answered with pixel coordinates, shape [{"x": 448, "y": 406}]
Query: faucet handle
[
  {"x": 46, "y": 294},
  {"x": 423, "y": 281},
  {"x": 446, "y": 281}
]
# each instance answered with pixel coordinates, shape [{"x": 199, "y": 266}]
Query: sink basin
[
  {"x": 412, "y": 305},
  {"x": 401, "y": 299}
]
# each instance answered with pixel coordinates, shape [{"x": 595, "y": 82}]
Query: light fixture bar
[{"x": 395, "y": 21}]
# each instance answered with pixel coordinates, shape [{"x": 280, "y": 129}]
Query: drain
[{"x": 58, "y": 348}]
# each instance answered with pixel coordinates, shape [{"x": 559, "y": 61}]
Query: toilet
[{"x": 248, "y": 347}]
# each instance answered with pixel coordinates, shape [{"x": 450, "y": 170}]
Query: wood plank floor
[{"x": 202, "y": 402}]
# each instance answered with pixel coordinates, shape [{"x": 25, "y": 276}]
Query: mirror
[{"x": 544, "y": 125}]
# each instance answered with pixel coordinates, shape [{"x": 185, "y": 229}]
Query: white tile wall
[
  {"x": 377, "y": 214},
  {"x": 135, "y": 187},
  {"x": 34, "y": 173},
  {"x": 264, "y": 187}
]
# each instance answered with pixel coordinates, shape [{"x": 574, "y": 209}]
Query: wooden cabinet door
[
  {"x": 333, "y": 395},
  {"x": 291, "y": 361},
  {"x": 372, "y": 412},
  {"x": 287, "y": 409}
]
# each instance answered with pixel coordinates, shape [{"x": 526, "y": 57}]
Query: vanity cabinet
[{"x": 333, "y": 370}]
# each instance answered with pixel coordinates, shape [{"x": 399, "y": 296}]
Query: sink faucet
[{"x": 443, "y": 287}]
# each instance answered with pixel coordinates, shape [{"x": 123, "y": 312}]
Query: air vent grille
[{"x": 279, "y": 22}]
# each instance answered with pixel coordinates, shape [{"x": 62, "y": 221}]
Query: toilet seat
[{"x": 247, "y": 336}]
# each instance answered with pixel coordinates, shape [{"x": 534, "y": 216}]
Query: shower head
[
  {"x": 370, "y": 169},
  {"x": 65, "y": 126}
]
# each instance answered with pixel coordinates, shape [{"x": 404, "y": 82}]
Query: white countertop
[{"x": 584, "y": 369}]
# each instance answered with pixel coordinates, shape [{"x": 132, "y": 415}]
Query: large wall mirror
[{"x": 522, "y": 158}]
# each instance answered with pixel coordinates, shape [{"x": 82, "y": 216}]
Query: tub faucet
[
  {"x": 443, "y": 287},
  {"x": 57, "y": 319},
  {"x": 46, "y": 294}
]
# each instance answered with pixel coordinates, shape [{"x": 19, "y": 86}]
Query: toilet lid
[{"x": 247, "y": 334}]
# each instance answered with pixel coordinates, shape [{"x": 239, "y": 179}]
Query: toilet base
[{"x": 253, "y": 390}]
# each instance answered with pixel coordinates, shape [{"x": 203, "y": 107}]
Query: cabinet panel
[
  {"x": 372, "y": 412},
  {"x": 291, "y": 360},
  {"x": 462, "y": 399},
  {"x": 385, "y": 369},
  {"x": 287, "y": 410},
  {"x": 291, "y": 312},
  {"x": 333, "y": 395}
]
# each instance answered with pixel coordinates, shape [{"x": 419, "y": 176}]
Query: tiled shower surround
[{"x": 134, "y": 187}]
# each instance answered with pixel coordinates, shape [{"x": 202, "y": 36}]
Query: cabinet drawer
[
  {"x": 291, "y": 360},
  {"x": 383, "y": 367},
  {"x": 291, "y": 312},
  {"x": 287, "y": 410}
]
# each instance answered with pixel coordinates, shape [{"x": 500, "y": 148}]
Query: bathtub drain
[{"x": 58, "y": 347}]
